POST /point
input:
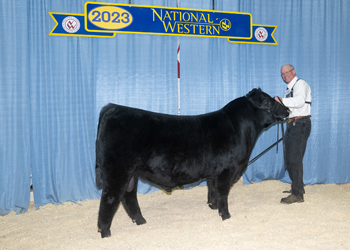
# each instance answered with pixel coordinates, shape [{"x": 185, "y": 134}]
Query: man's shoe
[
  {"x": 289, "y": 191},
  {"x": 292, "y": 199}
]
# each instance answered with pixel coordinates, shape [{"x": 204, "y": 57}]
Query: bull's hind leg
[
  {"x": 114, "y": 188},
  {"x": 212, "y": 194},
  {"x": 131, "y": 204},
  {"x": 108, "y": 206}
]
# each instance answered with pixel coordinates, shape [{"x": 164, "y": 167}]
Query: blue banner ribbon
[
  {"x": 123, "y": 18},
  {"x": 73, "y": 25},
  {"x": 262, "y": 34}
]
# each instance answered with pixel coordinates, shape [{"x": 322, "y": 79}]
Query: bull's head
[{"x": 263, "y": 101}]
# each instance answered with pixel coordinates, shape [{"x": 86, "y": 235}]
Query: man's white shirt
[{"x": 301, "y": 94}]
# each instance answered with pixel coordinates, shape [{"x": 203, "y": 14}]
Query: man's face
[{"x": 287, "y": 74}]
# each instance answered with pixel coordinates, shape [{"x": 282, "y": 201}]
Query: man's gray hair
[{"x": 291, "y": 67}]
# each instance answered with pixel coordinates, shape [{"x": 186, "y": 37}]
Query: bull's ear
[
  {"x": 253, "y": 97},
  {"x": 251, "y": 93}
]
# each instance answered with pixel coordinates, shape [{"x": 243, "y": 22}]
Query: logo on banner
[
  {"x": 261, "y": 34},
  {"x": 225, "y": 24},
  {"x": 108, "y": 19},
  {"x": 71, "y": 24}
]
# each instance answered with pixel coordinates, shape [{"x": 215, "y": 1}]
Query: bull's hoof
[
  {"x": 225, "y": 216},
  {"x": 139, "y": 221},
  {"x": 213, "y": 206},
  {"x": 105, "y": 233}
]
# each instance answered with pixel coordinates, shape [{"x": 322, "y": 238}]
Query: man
[{"x": 298, "y": 100}]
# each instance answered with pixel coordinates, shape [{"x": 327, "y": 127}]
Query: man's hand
[{"x": 278, "y": 99}]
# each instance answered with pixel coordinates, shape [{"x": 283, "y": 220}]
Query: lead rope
[
  {"x": 284, "y": 141},
  {"x": 264, "y": 152},
  {"x": 284, "y": 146},
  {"x": 277, "y": 138}
]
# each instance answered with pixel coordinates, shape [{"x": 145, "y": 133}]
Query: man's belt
[{"x": 294, "y": 119}]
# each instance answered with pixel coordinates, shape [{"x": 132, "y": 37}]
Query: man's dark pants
[{"x": 295, "y": 144}]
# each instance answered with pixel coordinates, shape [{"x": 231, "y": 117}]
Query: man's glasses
[{"x": 283, "y": 74}]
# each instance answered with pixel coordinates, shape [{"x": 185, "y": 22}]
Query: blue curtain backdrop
[{"x": 52, "y": 88}]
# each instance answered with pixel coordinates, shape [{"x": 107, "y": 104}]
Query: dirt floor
[{"x": 183, "y": 220}]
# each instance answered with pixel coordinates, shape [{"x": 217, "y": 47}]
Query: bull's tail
[
  {"x": 99, "y": 182},
  {"x": 99, "y": 148},
  {"x": 98, "y": 171}
]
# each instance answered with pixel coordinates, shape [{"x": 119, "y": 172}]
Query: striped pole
[
  {"x": 178, "y": 75},
  {"x": 178, "y": 67}
]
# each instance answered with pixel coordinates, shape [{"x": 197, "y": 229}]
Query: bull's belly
[
  {"x": 172, "y": 170},
  {"x": 170, "y": 181}
]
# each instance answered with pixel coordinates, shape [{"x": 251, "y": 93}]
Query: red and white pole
[
  {"x": 178, "y": 67},
  {"x": 178, "y": 74}
]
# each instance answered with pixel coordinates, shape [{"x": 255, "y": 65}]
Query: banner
[{"x": 107, "y": 19}]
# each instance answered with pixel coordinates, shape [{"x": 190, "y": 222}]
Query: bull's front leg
[{"x": 224, "y": 182}]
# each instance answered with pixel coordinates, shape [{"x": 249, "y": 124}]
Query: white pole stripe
[{"x": 178, "y": 68}]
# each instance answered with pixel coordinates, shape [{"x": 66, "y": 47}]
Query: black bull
[{"x": 171, "y": 151}]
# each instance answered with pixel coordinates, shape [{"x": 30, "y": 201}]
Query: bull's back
[
  {"x": 154, "y": 129},
  {"x": 145, "y": 134}
]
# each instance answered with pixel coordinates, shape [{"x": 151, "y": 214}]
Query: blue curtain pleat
[
  {"x": 15, "y": 117},
  {"x": 52, "y": 89}
]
